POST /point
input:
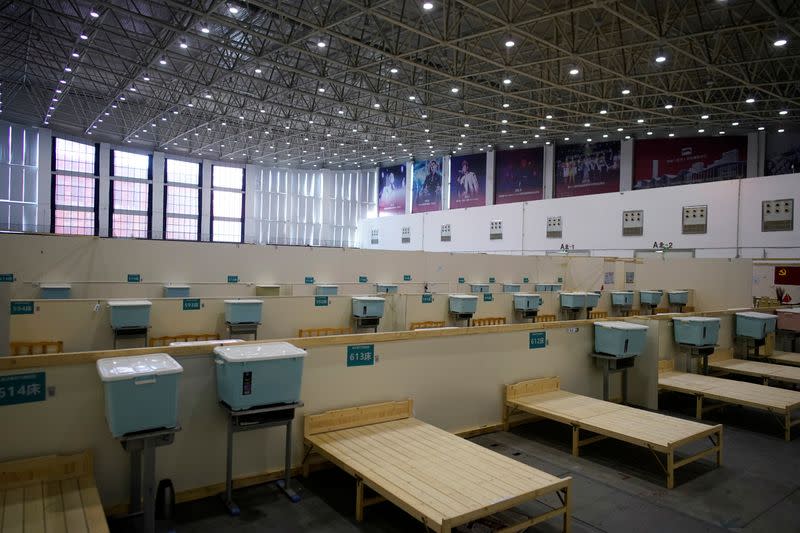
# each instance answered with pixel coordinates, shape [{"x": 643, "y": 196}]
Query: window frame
[
  {"x": 54, "y": 172},
  {"x": 112, "y": 178},
  {"x": 243, "y": 191},
  {"x": 199, "y": 189}
]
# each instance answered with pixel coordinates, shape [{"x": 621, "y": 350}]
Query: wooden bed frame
[
  {"x": 658, "y": 433},
  {"x": 48, "y": 494},
  {"x": 440, "y": 479},
  {"x": 766, "y": 372},
  {"x": 779, "y": 402},
  {"x": 785, "y": 358},
  {"x": 427, "y": 325}
]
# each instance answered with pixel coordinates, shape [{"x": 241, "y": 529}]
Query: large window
[
  {"x": 74, "y": 187},
  {"x": 131, "y": 194},
  {"x": 227, "y": 204},
  {"x": 19, "y": 172},
  {"x": 182, "y": 200},
  {"x": 288, "y": 207},
  {"x": 350, "y": 196}
]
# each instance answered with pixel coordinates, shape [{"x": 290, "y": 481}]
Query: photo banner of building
[
  {"x": 591, "y": 168},
  {"x": 392, "y": 190},
  {"x": 468, "y": 181},
  {"x": 668, "y": 162},
  {"x": 783, "y": 153},
  {"x": 518, "y": 175},
  {"x": 427, "y": 186}
]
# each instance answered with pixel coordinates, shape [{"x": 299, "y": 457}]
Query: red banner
[{"x": 787, "y": 275}]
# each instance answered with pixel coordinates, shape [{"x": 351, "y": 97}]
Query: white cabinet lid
[
  {"x": 205, "y": 343},
  {"x": 258, "y": 352},
  {"x": 621, "y": 292},
  {"x": 369, "y": 298},
  {"x": 119, "y": 368},
  {"x": 614, "y": 324},
  {"x": 328, "y": 286},
  {"x": 760, "y": 316},
  {"x": 244, "y": 301},
  {"x": 659, "y": 291},
  {"x": 526, "y": 294},
  {"x": 386, "y": 285},
  {"x": 578, "y": 293},
  {"x": 464, "y": 296},
  {"x": 176, "y": 286},
  {"x": 678, "y": 292},
  {"x": 129, "y": 303},
  {"x": 55, "y": 286},
  {"x": 792, "y": 310},
  {"x": 479, "y": 284},
  {"x": 705, "y": 319},
  {"x": 269, "y": 286}
]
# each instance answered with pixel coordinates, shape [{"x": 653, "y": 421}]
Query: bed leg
[
  {"x": 567, "y": 511},
  {"x": 699, "y": 407},
  {"x": 576, "y": 432},
  {"x": 670, "y": 469},
  {"x": 787, "y": 424},
  {"x": 505, "y": 418},
  {"x": 719, "y": 448},
  {"x": 359, "y": 500}
]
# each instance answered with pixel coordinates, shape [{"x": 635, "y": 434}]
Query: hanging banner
[
  {"x": 427, "y": 190},
  {"x": 668, "y": 162},
  {"x": 392, "y": 190},
  {"x": 519, "y": 176},
  {"x": 467, "y": 181},
  {"x": 587, "y": 169},
  {"x": 783, "y": 154}
]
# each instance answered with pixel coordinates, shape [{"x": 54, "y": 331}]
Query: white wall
[{"x": 595, "y": 222}]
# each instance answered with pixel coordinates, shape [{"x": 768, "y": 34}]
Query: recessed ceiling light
[
  {"x": 588, "y": 140},
  {"x": 779, "y": 42},
  {"x": 640, "y": 121},
  {"x": 605, "y": 136},
  {"x": 734, "y": 123},
  {"x": 321, "y": 44},
  {"x": 132, "y": 89},
  {"x": 412, "y": 97},
  {"x": 781, "y": 130},
  {"x": 750, "y": 100},
  {"x": 183, "y": 43},
  {"x": 783, "y": 112},
  {"x": 701, "y": 130},
  {"x": 341, "y": 111},
  {"x": 424, "y": 116},
  {"x": 233, "y": 9},
  {"x": 603, "y": 111},
  {"x": 122, "y": 98},
  {"x": 574, "y": 72},
  {"x": 466, "y": 124},
  {"x": 84, "y": 36},
  {"x": 542, "y": 127},
  {"x": 321, "y": 89},
  {"x": 503, "y": 131},
  {"x": 75, "y": 54},
  {"x": 504, "y": 121},
  {"x": 672, "y": 135},
  {"x": 626, "y": 91},
  {"x": 619, "y": 129},
  {"x": 704, "y": 117},
  {"x": 722, "y": 133},
  {"x": 258, "y": 71},
  {"x": 587, "y": 125},
  {"x": 393, "y": 70},
  {"x": 93, "y": 13},
  {"x": 376, "y": 105},
  {"x": 660, "y": 58},
  {"x": 505, "y": 105},
  {"x": 761, "y": 128},
  {"x": 204, "y": 28},
  {"x": 649, "y": 132},
  {"x": 566, "y": 138},
  {"x": 163, "y": 60},
  {"x": 627, "y": 136},
  {"x": 507, "y": 81},
  {"x": 548, "y": 117},
  {"x": 510, "y": 43},
  {"x": 146, "y": 78},
  {"x": 454, "y": 90},
  {"x": 668, "y": 106},
  {"x": 67, "y": 69},
  {"x": 427, "y": 6},
  {"x": 63, "y": 82}
]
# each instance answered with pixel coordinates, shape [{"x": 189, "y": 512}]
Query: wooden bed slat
[
  {"x": 785, "y": 358},
  {"x": 765, "y": 371},
  {"x": 34, "y": 509},
  {"x": 358, "y": 416},
  {"x": 49, "y": 468},
  {"x": 54, "y": 508},
  {"x": 14, "y": 512}
]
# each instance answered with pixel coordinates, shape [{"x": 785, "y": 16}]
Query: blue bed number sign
[
  {"x": 461, "y": 280},
  {"x": 6, "y": 278},
  {"x": 361, "y": 355},
  {"x": 233, "y": 279},
  {"x": 487, "y": 297},
  {"x": 526, "y": 280},
  {"x": 21, "y": 308},
  {"x": 406, "y": 277},
  {"x": 491, "y": 279},
  {"x": 309, "y": 280},
  {"x": 362, "y": 279},
  {"x": 192, "y": 304},
  {"x": 537, "y": 339},
  {"x": 22, "y": 388},
  {"x": 320, "y": 301},
  {"x": 134, "y": 278},
  {"x": 427, "y": 298}
]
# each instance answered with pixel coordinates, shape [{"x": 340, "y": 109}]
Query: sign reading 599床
[{"x": 22, "y": 388}]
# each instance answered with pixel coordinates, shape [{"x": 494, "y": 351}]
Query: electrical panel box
[
  {"x": 632, "y": 223},
  {"x": 777, "y": 215},
  {"x": 495, "y": 229},
  {"x": 373, "y": 236},
  {"x": 446, "y": 235},
  {"x": 405, "y": 235},
  {"x": 695, "y": 219},
  {"x": 554, "y": 228}
]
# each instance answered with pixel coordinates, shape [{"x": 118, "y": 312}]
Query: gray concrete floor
[{"x": 616, "y": 487}]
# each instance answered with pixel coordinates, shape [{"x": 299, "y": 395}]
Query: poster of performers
[
  {"x": 587, "y": 168},
  {"x": 392, "y": 190},
  {"x": 783, "y": 153},
  {"x": 519, "y": 175},
  {"x": 427, "y": 186},
  {"x": 468, "y": 181}
]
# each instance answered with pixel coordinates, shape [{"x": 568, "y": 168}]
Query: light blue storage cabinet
[
  {"x": 527, "y": 302},
  {"x": 573, "y": 300},
  {"x": 130, "y": 313},
  {"x": 479, "y": 287},
  {"x": 622, "y": 298},
  {"x": 141, "y": 392},
  {"x": 385, "y": 288},
  {"x": 696, "y": 330},
  {"x": 511, "y": 287},
  {"x": 755, "y": 325},
  {"x": 592, "y": 299},
  {"x": 620, "y": 339},
  {"x": 327, "y": 290},
  {"x": 243, "y": 311},
  {"x": 463, "y": 304},
  {"x": 368, "y": 306},
  {"x": 55, "y": 291},
  {"x": 649, "y": 297},
  {"x": 176, "y": 291},
  {"x": 252, "y": 375},
  {"x": 678, "y": 297}
]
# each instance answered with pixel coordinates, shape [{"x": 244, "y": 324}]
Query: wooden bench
[
  {"x": 187, "y": 337},
  {"x": 545, "y": 318},
  {"x": 598, "y": 314},
  {"x": 785, "y": 358},
  {"x": 426, "y": 325},
  {"x": 543, "y": 397},
  {"x": 36, "y": 348},
  {"x": 440, "y": 479},
  {"x": 489, "y": 321},
  {"x": 779, "y": 402},
  {"x": 323, "y": 332},
  {"x": 51, "y": 494}
]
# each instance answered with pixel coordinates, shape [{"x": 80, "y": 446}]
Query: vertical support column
[
  {"x": 409, "y": 166},
  {"x": 159, "y": 160},
  {"x": 5, "y": 319},
  {"x": 104, "y": 186},
  {"x": 626, "y": 165},
  {"x": 205, "y": 195},
  {"x": 45, "y": 180},
  {"x": 490, "y": 178},
  {"x": 549, "y": 175},
  {"x": 252, "y": 195},
  {"x": 446, "y": 176},
  {"x": 753, "y": 160}
]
